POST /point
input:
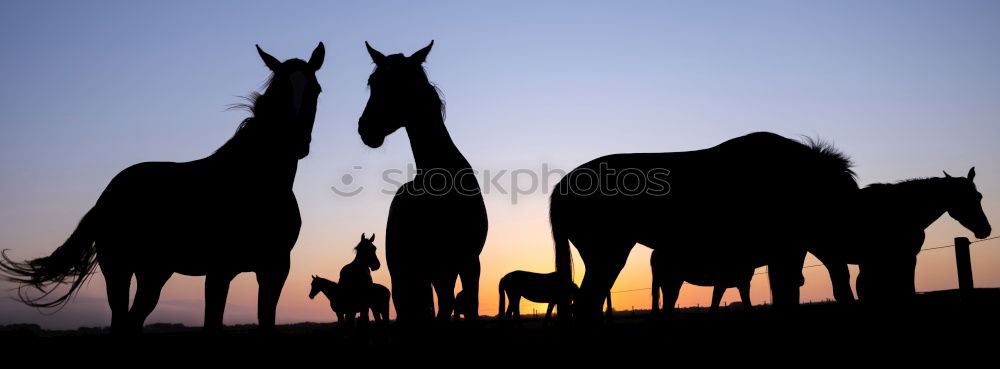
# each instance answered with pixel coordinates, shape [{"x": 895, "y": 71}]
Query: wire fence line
[{"x": 821, "y": 264}]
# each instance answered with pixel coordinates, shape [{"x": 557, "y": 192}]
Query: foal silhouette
[
  {"x": 761, "y": 199},
  {"x": 671, "y": 271},
  {"x": 887, "y": 232},
  {"x": 228, "y": 213},
  {"x": 537, "y": 287},
  {"x": 437, "y": 222}
]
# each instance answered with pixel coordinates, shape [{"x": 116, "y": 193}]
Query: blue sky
[{"x": 907, "y": 88}]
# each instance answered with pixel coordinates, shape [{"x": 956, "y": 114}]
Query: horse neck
[
  {"x": 920, "y": 201},
  {"x": 247, "y": 157},
  {"x": 432, "y": 146},
  {"x": 329, "y": 292},
  {"x": 358, "y": 263}
]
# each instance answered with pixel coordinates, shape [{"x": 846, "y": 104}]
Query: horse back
[{"x": 195, "y": 217}]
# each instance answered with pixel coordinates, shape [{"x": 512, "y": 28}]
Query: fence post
[{"x": 963, "y": 262}]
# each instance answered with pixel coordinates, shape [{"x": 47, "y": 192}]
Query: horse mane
[
  {"x": 257, "y": 105},
  {"x": 326, "y": 282},
  {"x": 903, "y": 183},
  {"x": 830, "y": 155}
]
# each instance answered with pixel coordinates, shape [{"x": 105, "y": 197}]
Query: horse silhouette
[
  {"x": 377, "y": 299},
  {"x": 437, "y": 222},
  {"x": 356, "y": 280},
  {"x": 888, "y": 231},
  {"x": 329, "y": 289},
  {"x": 537, "y": 287},
  {"x": 762, "y": 199},
  {"x": 671, "y": 271},
  {"x": 231, "y": 212}
]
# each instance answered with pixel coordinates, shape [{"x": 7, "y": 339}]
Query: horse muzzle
[{"x": 983, "y": 233}]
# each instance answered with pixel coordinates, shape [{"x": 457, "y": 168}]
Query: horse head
[
  {"x": 290, "y": 99},
  {"x": 399, "y": 90},
  {"x": 320, "y": 284},
  {"x": 964, "y": 204},
  {"x": 366, "y": 252}
]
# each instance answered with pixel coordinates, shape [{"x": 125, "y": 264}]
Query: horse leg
[
  {"x": 147, "y": 294},
  {"x": 601, "y": 272},
  {"x": 655, "y": 305},
  {"x": 671, "y": 290},
  {"x": 376, "y": 314},
  {"x": 608, "y": 313},
  {"x": 840, "y": 277},
  {"x": 444, "y": 286},
  {"x": 117, "y": 282},
  {"x": 744, "y": 288},
  {"x": 859, "y": 284},
  {"x": 269, "y": 285},
  {"x": 365, "y": 320},
  {"x": 717, "y": 293},
  {"x": 548, "y": 313},
  {"x": 216, "y": 293},
  {"x": 785, "y": 275},
  {"x": 516, "y": 309},
  {"x": 410, "y": 295},
  {"x": 470, "y": 283}
]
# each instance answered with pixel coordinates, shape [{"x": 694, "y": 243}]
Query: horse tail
[
  {"x": 70, "y": 263},
  {"x": 564, "y": 259}
]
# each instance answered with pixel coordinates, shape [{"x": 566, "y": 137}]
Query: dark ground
[{"x": 941, "y": 324}]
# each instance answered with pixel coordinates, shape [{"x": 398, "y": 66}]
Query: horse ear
[
  {"x": 372, "y": 239},
  {"x": 377, "y": 57},
  {"x": 946, "y": 175},
  {"x": 271, "y": 63},
  {"x": 316, "y": 60},
  {"x": 972, "y": 174},
  {"x": 421, "y": 55},
  {"x": 363, "y": 236}
]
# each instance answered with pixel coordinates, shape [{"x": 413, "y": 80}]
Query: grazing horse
[
  {"x": 669, "y": 274},
  {"x": 377, "y": 298},
  {"x": 761, "y": 198},
  {"x": 356, "y": 280},
  {"x": 437, "y": 222},
  {"x": 537, "y": 287},
  {"x": 888, "y": 232},
  {"x": 231, "y": 212}
]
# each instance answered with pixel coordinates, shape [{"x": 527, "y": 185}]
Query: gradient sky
[{"x": 907, "y": 88}]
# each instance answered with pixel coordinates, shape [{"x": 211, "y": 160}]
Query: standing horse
[
  {"x": 888, "y": 232},
  {"x": 437, "y": 222},
  {"x": 761, "y": 198},
  {"x": 377, "y": 298},
  {"x": 356, "y": 280},
  {"x": 228, "y": 213},
  {"x": 669, "y": 274},
  {"x": 329, "y": 289}
]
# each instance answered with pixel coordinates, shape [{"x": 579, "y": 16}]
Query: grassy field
[{"x": 943, "y": 321}]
